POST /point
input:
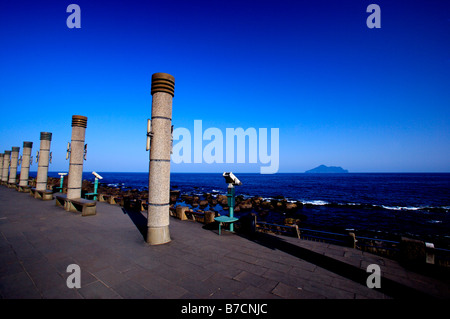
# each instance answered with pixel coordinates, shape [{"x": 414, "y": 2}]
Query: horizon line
[{"x": 141, "y": 172}]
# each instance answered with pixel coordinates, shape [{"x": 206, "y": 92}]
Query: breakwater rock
[{"x": 288, "y": 211}]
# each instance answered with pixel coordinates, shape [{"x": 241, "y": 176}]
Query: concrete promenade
[{"x": 38, "y": 240}]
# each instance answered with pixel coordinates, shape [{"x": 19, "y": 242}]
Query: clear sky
[{"x": 340, "y": 93}]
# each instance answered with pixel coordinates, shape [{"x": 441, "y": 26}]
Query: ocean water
[{"x": 407, "y": 204}]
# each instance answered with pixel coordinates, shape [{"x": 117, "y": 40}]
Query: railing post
[
  {"x": 352, "y": 240},
  {"x": 429, "y": 253}
]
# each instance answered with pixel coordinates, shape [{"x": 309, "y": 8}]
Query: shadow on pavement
[
  {"x": 139, "y": 220},
  {"x": 388, "y": 287}
]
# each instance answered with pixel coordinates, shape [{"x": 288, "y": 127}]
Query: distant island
[{"x": 327, "y": 169}]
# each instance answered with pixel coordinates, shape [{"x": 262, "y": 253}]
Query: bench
[
  {"x": 115, "y": 200},
  {"x": 103, "y": 198},
  {"x": 85, "y": 206},
  {"x": 110, "y": 199},
  {"x": 12, "y": 185},
  {"x": 41, "y": 194},
  {"x": 197, "y": 216},
  {"x": 134, "y": 204},
  {"x": 225, "y": 220},
  {"x": 24, "y": 189}
]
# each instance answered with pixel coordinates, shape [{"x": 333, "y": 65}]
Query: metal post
[
  {"x": 44, "y": 159},
  {"x": 160, "y": 137},
  {"x": 61, "y": 181},
  {"x": 25, "y": 168},
  {"x": 6, "y": 159},
  {"x": 77, "y": 149},
  {"x": 95, "y": 188},
  {"x": 13, "y": 166},
  {"x": 231, "y": 201}
]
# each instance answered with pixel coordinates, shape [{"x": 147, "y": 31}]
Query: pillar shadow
[
  {"x": 139, "y": 220},
  {"x": 388, "y": 286}
]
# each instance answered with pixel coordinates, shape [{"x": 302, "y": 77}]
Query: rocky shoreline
[
  {"x": 206, "y": 206},
  {"x": 133, "y": 198}
]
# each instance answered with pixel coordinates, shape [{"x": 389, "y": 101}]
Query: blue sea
[{"x": 408, "y": 204}]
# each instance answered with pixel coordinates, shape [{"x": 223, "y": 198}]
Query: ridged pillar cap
[
  {"x": 27, "y": 144},
  {"x": 46, "y": 136},
  {"x": 15, "y": 149},
  {"x": 163, "y": 82},
  {"x": 79, "y": 120}
]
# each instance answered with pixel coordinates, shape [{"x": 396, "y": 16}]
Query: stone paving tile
[
  {"x": 10, "y": 268},
  {"x": 45, "y": 277},
  {"x": 289, "y": 292},
  {"x": 7, "y": 256},
  {"x": 250, "y": 279},
  {"x": 242, "y": 257},
  {"x": 252, "y": 292},
  {"x": 279, "y": 276},
  {"x": 190, "y": 295},
  {"x": 18, "y": 286},
  {"x": 171, "y": 274},
  {"x": 224, "y": 294},
  {"x": 97, "y": 290},
  {"x": 242, "y": 265},
  {"x": 158, "y": 286},
  {"x": 110, "y": 276},
  {"x": 225, "y": 270},
  {"x": 131, "y": 290},
  {"x": 196, "y": 272},
  {"x": 356, "y": 288},
  {"x": 61, "y": 292},
  {"x": 273, "y": 265},
  {"x": 116, "y": 262},
  {"x": 225, "y": 284},
  {"x": 195, "y": 288}
]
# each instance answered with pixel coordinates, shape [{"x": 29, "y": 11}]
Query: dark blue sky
[{"x": 369, "y": 100}]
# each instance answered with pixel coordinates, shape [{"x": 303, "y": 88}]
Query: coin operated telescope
[
  {"x": 95, "y": 193},
  {"x": 97, "y": 177},
  {"x": 232, "y": 181}
]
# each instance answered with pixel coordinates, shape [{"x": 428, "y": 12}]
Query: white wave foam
[
  {"x": 401, "y": 207},
  {"x": 315, "y": 202}
]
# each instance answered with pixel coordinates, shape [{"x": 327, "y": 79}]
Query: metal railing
[
  {"x": 325, "y": 236},
  {"x": 378, "y": 246}
]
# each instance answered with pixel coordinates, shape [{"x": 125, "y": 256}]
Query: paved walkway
[{"x": 38, "y": 240}]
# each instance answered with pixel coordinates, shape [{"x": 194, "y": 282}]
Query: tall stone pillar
[
  {"x": 13, "y": 166},
  {"x": 162, "y": 90},
  {"x": 1, "y": 166},
  {"x": 44, "y": 156},
  {"x": 5, "y": 170},
  {"x": 25, "y": 166},
  {"x": 74, "y": 182}
]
